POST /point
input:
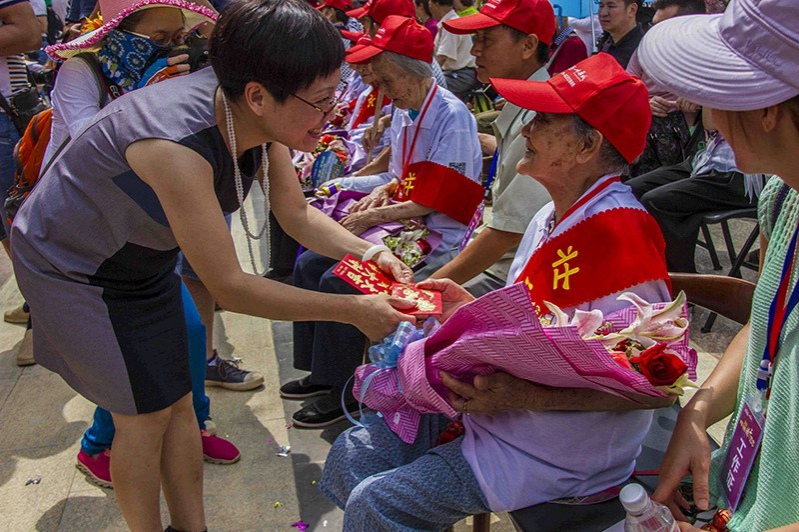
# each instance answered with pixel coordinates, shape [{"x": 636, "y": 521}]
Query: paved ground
[{"x": 42, "y": 420}]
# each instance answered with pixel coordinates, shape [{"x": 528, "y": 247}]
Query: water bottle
[{"x": 644, "y": 514}]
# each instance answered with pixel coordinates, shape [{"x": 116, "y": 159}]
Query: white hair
[{"x": 410, "y": 66}]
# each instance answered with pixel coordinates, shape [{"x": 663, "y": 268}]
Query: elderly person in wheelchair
[
  {"x": 432, "y": 176},
  {"x": 525, "y": 444}
]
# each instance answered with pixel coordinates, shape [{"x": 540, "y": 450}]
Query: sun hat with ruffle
[{"x": 115, "y": 11}]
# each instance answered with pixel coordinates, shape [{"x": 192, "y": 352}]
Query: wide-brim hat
[
  {"x": 115, "y": 11},
  {"x": 744, "y": 59}
]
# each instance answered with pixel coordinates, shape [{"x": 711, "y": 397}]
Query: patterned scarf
[{"x": 124, "y": 58}]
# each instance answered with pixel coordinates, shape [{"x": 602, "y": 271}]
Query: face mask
[{"x": 125, "y": 57}]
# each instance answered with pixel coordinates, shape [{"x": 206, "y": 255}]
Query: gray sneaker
[{"x": 227, "y": 374}]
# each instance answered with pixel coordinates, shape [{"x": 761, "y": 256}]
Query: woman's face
[
  {"x": 397, "y": 87},
  {"x": 298, "y": 122},
  {"x": 551, "y": 147},
  {"x": 740, "y": 130},
  {"x": 366, "y": 73},
  {"x": 161, "y": 24}
]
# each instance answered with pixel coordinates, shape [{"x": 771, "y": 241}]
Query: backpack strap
[{"x": 106, "y": 91}]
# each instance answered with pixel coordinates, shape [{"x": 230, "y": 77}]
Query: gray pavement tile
[
  {"x": 35, "y": 506},
  {"x": 33, "y": 415},
  {"x": 6, "y": 385}
]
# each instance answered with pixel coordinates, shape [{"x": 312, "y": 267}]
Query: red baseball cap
[
  {"x": 599, "y": 91},
  {"x": 527, "y": 16},
  {"x": 353, "y": 36},
  {"x": 380, "y": 9},
  {"x": 398, "y": 34},
  {"x": 342, "y": 5},
  {"x": 362, "y": 43}
]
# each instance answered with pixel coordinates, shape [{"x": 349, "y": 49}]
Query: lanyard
[
  {"x": 777, "y": 316},
  {"x": 588, "y": 197},
  {"x": 408, "y": 154},
  {"x": 492, "y": 172}
]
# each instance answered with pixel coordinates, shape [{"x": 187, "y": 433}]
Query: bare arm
[
  {"x": 481, "y": 253},
  {"x": 20, "y": 31},
  {"x": 188, "y": 198},
  {"x": 360, "y": 221}
]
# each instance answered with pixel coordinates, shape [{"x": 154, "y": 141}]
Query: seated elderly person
[
  {"x": 525, "y": 444},
  {"x": 432, "y": 175}
]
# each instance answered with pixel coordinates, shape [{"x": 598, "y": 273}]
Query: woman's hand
[
  {"x": 688, "y": 454},
  {"x": 661, "y": 106},
  {"x": 371, "y": 137},
  {"x": 377, "y": 316},
  {"x": 686, "y": 106},
  {"x": 489, "y": 395},
  {"x": 389, "y": 263},
  {"x": 453, "y": 295},
  {"x": 358, "y": 222},
  {"x": 379, "y": 197}
]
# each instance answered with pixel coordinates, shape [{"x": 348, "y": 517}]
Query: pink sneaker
[
  {"x": 217, "y": 450},
  {"x": 97, "y": 467}
]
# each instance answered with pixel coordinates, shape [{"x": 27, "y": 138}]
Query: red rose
[
  {"x": 660, "y": 368},
  {"x": 424, "y": 245},
  {"x": 621, "y": 358},
  {"x": 327, "y": 139}
]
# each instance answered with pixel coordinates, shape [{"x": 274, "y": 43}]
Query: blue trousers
[
  {"x": 9, "y": 136},
  {"x": 99, "y": 436}
]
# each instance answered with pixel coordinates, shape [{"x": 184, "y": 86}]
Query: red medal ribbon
[{"x": 407, "y": 155}]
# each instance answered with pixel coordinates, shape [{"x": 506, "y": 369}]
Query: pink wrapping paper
[{"x": 499, "y": 332}]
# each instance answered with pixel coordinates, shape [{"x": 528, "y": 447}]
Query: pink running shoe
[
  {"x": 97, "y": 467},
  {"x": 217, "y": 450}
]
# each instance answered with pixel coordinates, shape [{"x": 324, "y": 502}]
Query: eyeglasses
[
  {"x": 332, "y": 102},
  {"x": 160, "y": 40}
]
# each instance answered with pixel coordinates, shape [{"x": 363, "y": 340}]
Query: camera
[{"x": 197, "y": 48}]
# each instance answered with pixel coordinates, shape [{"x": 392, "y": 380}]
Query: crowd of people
[{"x": 455, "y": 144}]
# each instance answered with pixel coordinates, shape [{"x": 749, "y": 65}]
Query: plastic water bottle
[{"x": 644, "y": 514}]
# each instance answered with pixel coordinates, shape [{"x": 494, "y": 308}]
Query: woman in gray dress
[{"x": 96, "y": 242}]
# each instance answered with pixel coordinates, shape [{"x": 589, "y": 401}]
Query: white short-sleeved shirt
[
  {"x": 525, "y": 458},
  {"x": 447, "y": 136},
  {"x": 455, "y": 47}
]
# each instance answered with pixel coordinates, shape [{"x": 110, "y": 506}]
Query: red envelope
[{"x": 367, "y": 278}]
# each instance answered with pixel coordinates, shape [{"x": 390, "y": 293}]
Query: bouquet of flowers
[
  {"x": 410, "y": 245},
  {"x": 641, "y": 350},
  {"x": 330, "y": 159}
]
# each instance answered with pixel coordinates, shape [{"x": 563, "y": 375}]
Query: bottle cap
[{"x": 634, "y": 498}]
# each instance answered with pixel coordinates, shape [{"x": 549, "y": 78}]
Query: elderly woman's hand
[
  {"x": 379, "y": 197},
  {"x": 358, "y": 222},
  {"x": 490, "y": 394},
  {"x": 453, "y": 295}
]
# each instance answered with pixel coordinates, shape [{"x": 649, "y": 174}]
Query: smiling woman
[{"x": 154, "y": 172}]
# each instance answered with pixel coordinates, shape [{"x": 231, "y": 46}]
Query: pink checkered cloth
[{"x": 499, "y": 332}]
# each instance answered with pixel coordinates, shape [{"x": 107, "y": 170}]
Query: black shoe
[
  {"x": 302, "y": 389},
  {"x": 324, "y": 412}
]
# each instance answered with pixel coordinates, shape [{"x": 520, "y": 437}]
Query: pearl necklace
[{"x": 263, "y": 232}]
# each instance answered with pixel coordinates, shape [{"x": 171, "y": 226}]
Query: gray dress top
[{"x": 94, "y": 254}]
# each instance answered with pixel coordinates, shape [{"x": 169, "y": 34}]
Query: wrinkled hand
[
  {"x": 357, "y": 222},
  {"x": 453, "y": 295},
  {"x": 371, "y": 138},
  {"x": 389, "y": 263},
  {"x": 688, "y": 454},
  {"x": 377, "y": 316},
  {"x": 379, "y": 197},
  {"x": 686, "y": 106},
  {"x": 661, "y": 106},
  {"x": 489, "y": 395}
]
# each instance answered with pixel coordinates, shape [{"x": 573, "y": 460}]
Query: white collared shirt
[{"x": 457, "y": 48}]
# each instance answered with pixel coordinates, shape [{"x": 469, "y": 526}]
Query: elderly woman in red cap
[
  {"x": 525, "y": 444},
  {"x": 743, "y": 66},
  {"x": 433, "y": 174}
]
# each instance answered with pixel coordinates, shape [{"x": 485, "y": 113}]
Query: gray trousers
[{"x": 384, "y": 484}]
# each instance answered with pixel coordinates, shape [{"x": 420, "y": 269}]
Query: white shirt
[
  {"x": 524, "y": 458},
  {"x": 447, "y": 136},
  {"x": 457, "y": 48}
]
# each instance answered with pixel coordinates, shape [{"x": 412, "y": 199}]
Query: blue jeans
[
  {"x": 99, "y": 436},
  {"x": 9, "y": 136}
]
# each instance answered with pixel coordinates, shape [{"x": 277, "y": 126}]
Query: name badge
[{"x": 744, "y": 446}]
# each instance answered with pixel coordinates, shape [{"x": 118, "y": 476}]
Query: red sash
[
  {"x": 368, "y": 108},
  {"x": 602, "y": 255},
  {"x": 440, "y": 188}
]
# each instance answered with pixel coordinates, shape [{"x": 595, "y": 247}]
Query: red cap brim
[
  {"x": 470, "y": 23},
  {"x": 351, "y": 35},
  {"x": 359, "y": 12},
  {"x": 533, "y": 95},
  {"x": 363, "y": 54}
]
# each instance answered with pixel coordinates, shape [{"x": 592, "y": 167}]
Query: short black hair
[
  {"x": 467, "y": 3},
  {"x": 639, "y": 3},
  {"x": 684, "y": 7},
  {"x": 342, "y": 17},
  {"x": 449, "y": 3},
  {"x": 541, "y": 51},
  {"x": 285, "y": 45},
  {"x": 425, "y": 4}
]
